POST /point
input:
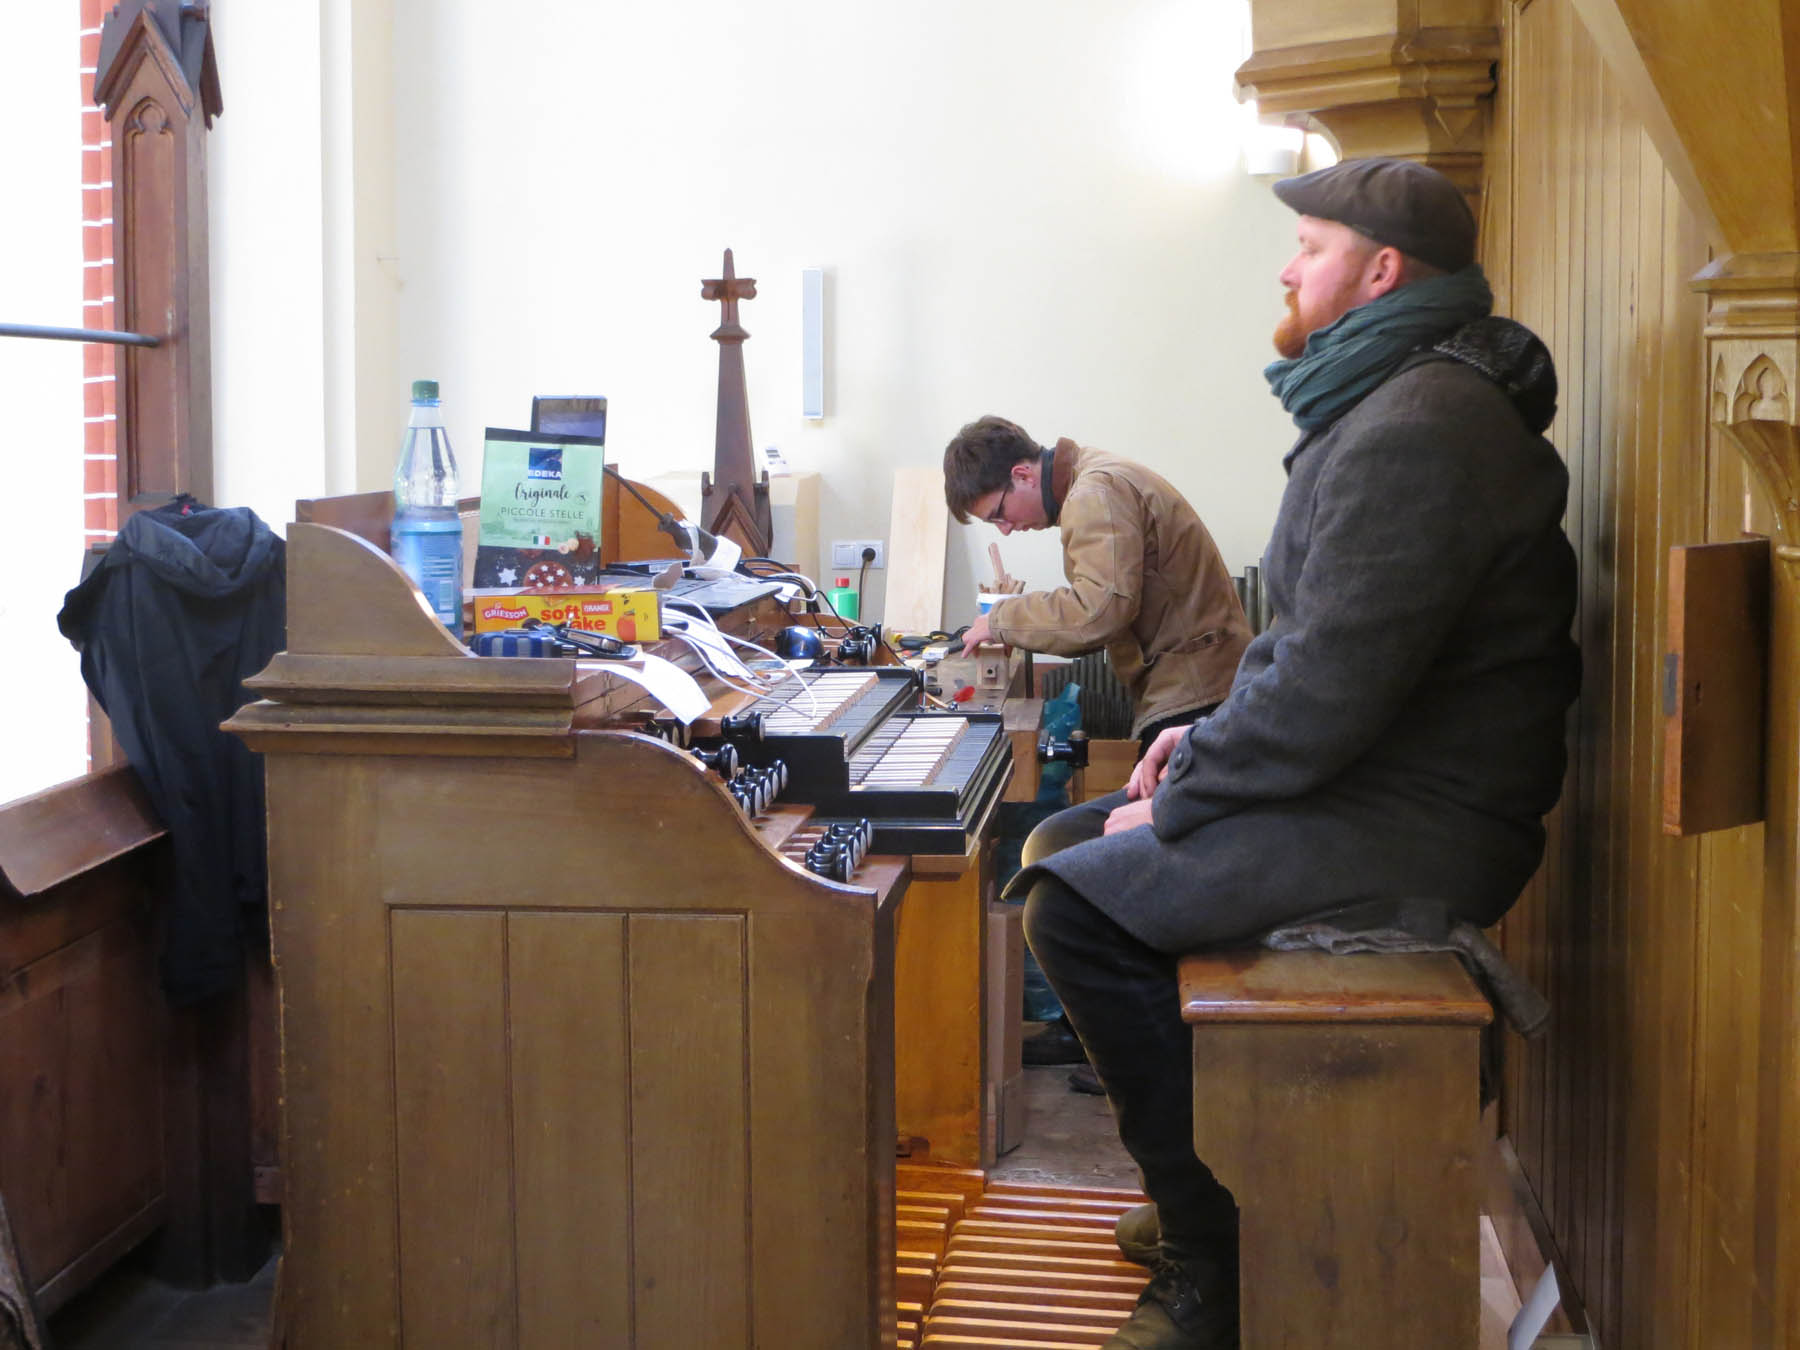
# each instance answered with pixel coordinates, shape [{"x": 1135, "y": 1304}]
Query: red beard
[{"x": 1290, "y": 336}]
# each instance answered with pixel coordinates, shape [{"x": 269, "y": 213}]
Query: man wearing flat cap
[{"x": 1391, "y": 742}]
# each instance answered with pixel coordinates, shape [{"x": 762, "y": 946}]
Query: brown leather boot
[{"x": 1188, "y": 1305}]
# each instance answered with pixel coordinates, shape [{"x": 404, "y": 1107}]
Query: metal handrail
[{"x": 117, "y": 339}]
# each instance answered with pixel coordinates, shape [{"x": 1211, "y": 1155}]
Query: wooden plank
[
  {"x": 690, "y": 1125},
  {"x": 918, "y": 531},
  {"x": 939, "y": 1015},
  {"x": 55, "y": 835},
  {"x": 340, "y": 1266},
  {"x": 1031, "y": 1282},
  {"x": 452, "y": 1129},
  {"x": 1350, "y": 1150},
  {"x": 571, "y": 1129},
  {"x": 1715, "y": 686},
  {"x": 1259, "y": 986}
]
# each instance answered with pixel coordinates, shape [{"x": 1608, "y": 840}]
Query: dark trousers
[{"x": 1121, "y": 997}]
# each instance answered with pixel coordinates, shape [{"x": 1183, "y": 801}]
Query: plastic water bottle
[{"x": 427, "y": 533}]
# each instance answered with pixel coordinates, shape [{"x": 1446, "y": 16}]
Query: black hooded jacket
[{"x": 187, "y": 602}]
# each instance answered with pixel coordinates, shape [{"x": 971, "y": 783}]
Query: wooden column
[
  {"x": 1753, "y": 358},
  {"x": 157, "y": 81}
]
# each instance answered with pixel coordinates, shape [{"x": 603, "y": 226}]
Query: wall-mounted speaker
[{"x": 812, "y": 343}]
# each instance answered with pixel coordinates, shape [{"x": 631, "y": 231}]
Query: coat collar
[{"x": 1062, "y": 473}]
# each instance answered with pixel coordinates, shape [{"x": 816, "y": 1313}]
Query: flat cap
[{"x": 1395, "y": 202}]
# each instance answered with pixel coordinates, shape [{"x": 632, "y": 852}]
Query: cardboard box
[
  {"x": 975, "y": 683},
  {"x": 631, "y": 614}
]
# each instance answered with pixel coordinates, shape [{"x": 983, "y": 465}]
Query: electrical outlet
[{"x": 848, "y": 553}]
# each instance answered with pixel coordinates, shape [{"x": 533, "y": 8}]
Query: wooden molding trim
[
  {"x": 1421, "y": 95},
  {"x": 63, "y": 832}
]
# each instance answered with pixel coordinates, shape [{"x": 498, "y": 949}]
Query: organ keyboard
[{"x": 855, "y": 746}]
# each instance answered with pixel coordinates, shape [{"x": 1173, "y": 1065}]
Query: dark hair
[{"x": 980, "y": 460}]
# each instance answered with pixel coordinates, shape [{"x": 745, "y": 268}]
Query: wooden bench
[{"x": 1337, "y": 1097}]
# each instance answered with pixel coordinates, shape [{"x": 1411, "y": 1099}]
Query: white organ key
[{"x": 912, "y": 758}]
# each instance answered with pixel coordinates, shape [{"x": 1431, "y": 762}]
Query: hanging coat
[{"x": 187, "y": 602}]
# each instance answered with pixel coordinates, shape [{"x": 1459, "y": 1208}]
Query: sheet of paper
[
  {"x": 664, "y": 681},
  {"x": 723, "y": 562},
  {"x": 718, "y": 649},
  {"x": 1536, "y": 1313}
]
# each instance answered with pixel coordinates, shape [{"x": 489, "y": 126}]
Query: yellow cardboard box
[{"x": 631, "y": 614}]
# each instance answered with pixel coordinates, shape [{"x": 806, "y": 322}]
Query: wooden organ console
[{"x": 576, "y": 1051}]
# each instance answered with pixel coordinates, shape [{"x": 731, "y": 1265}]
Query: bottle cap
[
  {"x": 843, "y": 581},
  {"x": 424, "y": 389}
]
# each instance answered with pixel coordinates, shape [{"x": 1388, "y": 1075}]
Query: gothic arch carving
[{"x": 1762, "y": 393}]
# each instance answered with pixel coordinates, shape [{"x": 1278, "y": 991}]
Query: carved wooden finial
[
  {"x": 728, "y": 290},
  {"x": 737, "y": 500}
]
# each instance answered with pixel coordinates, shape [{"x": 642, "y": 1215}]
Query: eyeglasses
[{"x": 998, "y": 515}]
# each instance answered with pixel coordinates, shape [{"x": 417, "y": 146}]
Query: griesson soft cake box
[{"x": 630, "y": 614}]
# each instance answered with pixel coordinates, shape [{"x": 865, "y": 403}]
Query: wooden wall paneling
[
  {"x": 566, "y": 1003},
  {"x": 452, "y": 1131},
  {"x": 1672, "y": 1046},
  {"x": 1600, "y": 251},
  {"x": 1594, "y": 1145},
  {"x": 1652, "y": 1032},
  {"x": 689, "y": 1065},
  {"x": 799, "y": 1231},
  {"x": 80, "y": 1082},
  {"x": 337, "y": 1153},
  {"x": 1532, "y": 229}
]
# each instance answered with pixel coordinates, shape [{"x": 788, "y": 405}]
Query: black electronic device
[
  {"x": 799, "y": 643},
  {"x": 573, "y": 414},
  {"x": 858, "y": 646}
]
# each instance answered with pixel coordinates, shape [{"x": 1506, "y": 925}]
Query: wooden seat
[{"x": 1337, "y": 1098}]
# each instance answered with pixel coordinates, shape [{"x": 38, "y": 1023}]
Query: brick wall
[{"x": 99, "y": 361}]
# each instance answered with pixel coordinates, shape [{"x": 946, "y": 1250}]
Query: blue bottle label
[{"x": 430, "y": 552}]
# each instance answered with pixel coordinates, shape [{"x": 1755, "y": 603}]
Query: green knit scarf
[{"x": 1347, "y": 358}]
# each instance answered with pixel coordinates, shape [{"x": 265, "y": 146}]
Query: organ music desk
[{"x": 574, "y": 1054}]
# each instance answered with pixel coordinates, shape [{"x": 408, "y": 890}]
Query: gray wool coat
[{"x": 1398, "y": 732}]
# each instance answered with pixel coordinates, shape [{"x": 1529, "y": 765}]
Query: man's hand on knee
[
  {"x": 1154, "y": 766},
  {"x": 1129, "y": 816}
]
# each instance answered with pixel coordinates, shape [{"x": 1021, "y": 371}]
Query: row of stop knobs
[
  {"x": 837, "y": 852},
  {"x": 752, "y": 787}
]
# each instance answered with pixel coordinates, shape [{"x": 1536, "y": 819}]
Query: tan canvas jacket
[{"x": 1145, "y": 582}]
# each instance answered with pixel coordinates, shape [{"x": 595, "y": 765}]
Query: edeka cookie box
[{"x": 631, "y": 614}]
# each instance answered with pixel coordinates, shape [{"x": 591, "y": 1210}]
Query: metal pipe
[{"x": 32, "y": 330}]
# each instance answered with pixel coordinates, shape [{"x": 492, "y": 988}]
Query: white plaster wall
[
  {"x": 1030, "y": 207},
  {"x": 267, "y": 235},
  {"x": 45, "y": 719}
]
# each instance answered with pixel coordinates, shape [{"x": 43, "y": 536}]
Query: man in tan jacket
[{"x": 1145, "y": 579}]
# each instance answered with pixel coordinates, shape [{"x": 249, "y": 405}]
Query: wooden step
[
  {"x": 1119, "y": 1195},
  {"x": 1031, "y": 1333},
  {"x": 1036, "y": 1295},
  {"x": 1072, "y": 1257},
  {"x": 953, "y": 1201},
  {"x": 1091, "y": 1319},
  {"x": 1065, "y": 1218},
  {"x": 1033, "y": 1277}
]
